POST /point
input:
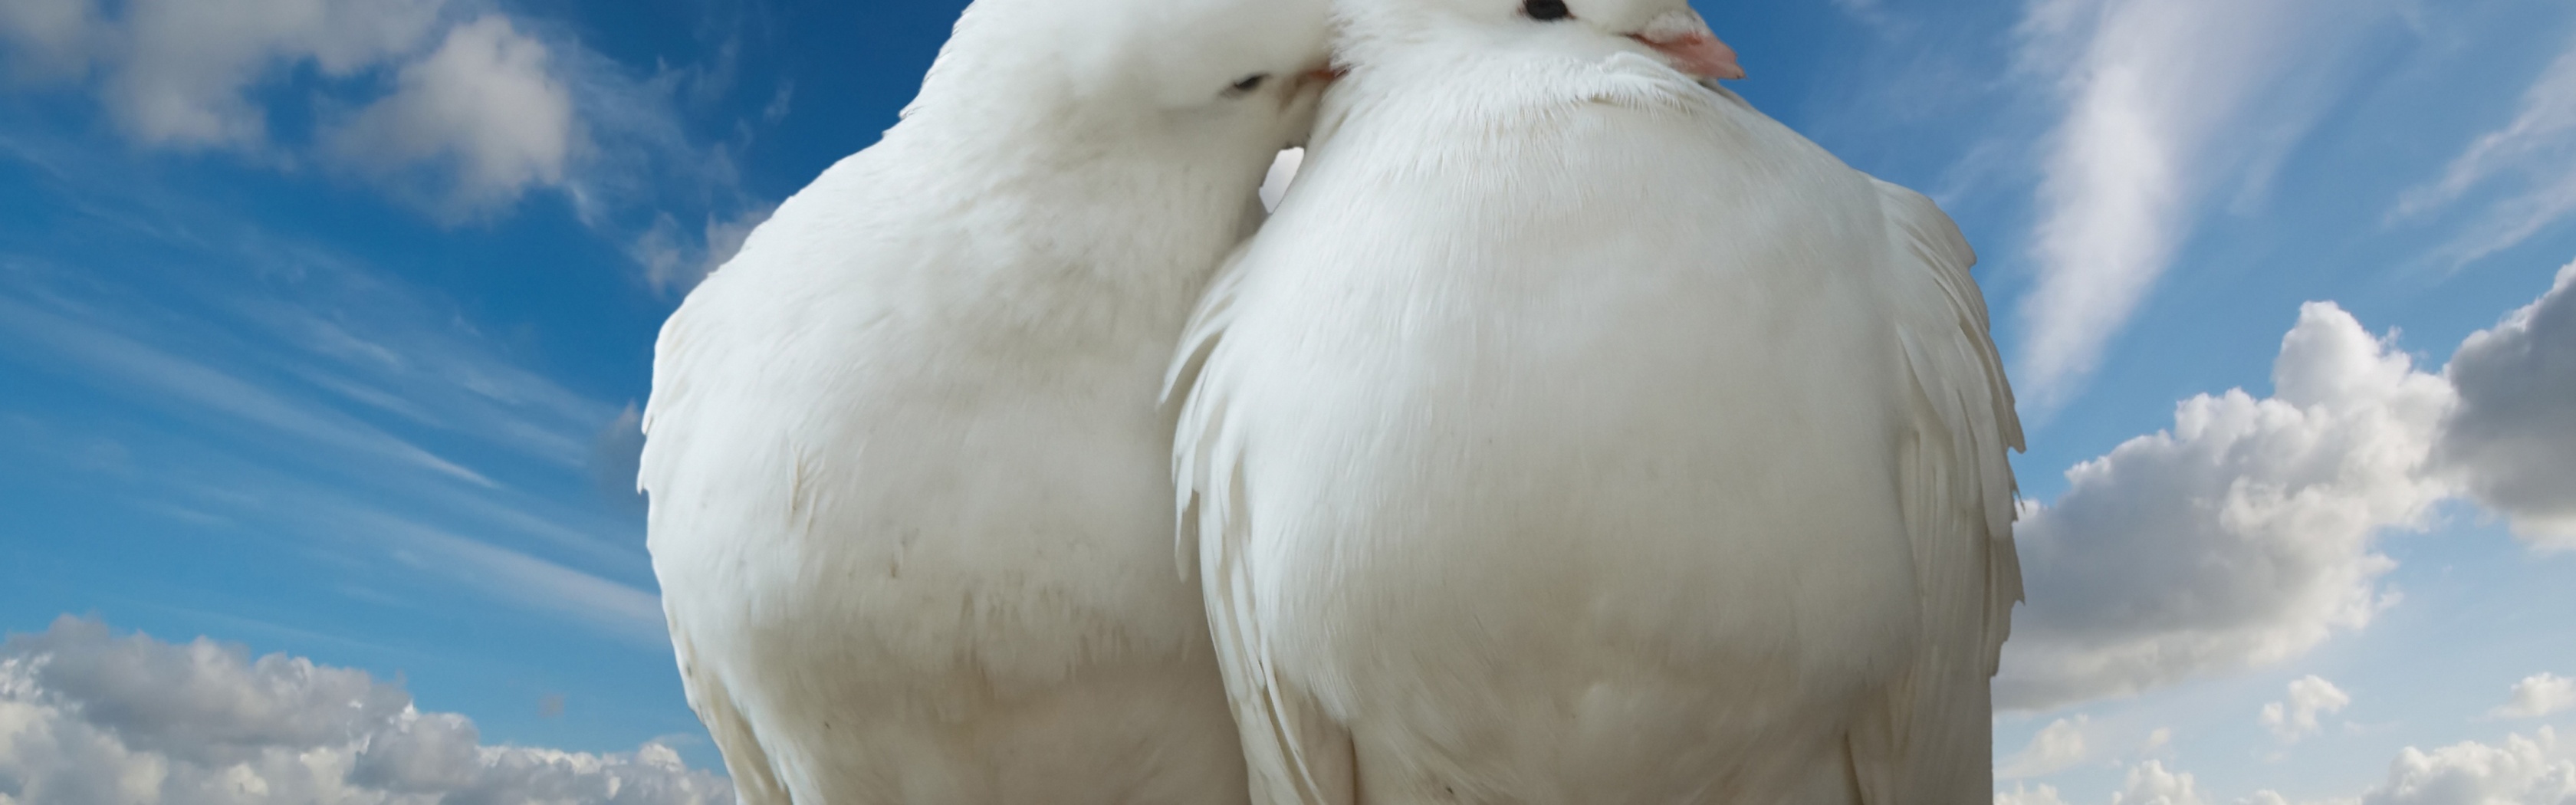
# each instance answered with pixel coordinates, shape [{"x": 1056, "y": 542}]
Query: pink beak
[{"x": 1698, "y": 53}]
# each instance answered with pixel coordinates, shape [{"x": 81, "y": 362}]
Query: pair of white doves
[{"x": 1571, "y": 432}]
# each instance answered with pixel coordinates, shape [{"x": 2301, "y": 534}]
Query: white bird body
[
  {"x": 1574, "y": 433},
  {"x": 908, "y": 475}
]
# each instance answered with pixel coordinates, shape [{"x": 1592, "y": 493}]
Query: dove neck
[
  {"x": 1124, "y": 163},
  {"x": 1142, "y": 218}
]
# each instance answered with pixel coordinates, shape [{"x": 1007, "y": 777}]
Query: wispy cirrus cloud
[
  {"x": 2533, "y": 158},
  {"x": 319, "y": 402},
  {"x": 2164, "y": 100},
  {"x": 524, "y": 581},
  {"x": 194, "y": 388}
]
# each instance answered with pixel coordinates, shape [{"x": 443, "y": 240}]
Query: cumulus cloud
[
  {"x": 2242, "y": 536},
  {"x": 2514, "y": 436},
  {"x": 443, "y": 103},
  {"x": 483, "y": 101},
  {"x": 2059, "y": 745},
  {"x": 48, "y": 39},
  {"x": 2145, "y": 133},
  {"x": 2524, "y": 771},
  {"x": 2535, "y": 154},
  {"x": 2539, "y": 695},
  {"x": 179, "y": 72},
  {"x": 2029, "y": 795},
  {"x": 2296, "y": 718},
  {"x": 90, "y": 717},
  {"x": 2150, "y": 783},
  {"x": 485, "y": 104}
]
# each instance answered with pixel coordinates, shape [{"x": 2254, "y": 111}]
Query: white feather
[
  {"x": 1574, "y": 433},
  {"x": 905, "y": 460}
]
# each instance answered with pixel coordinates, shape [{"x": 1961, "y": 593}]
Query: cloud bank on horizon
[{"x": 87, "y": 716}]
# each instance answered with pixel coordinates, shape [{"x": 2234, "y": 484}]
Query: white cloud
[
  {"x": 48, "y": 39},
  {"x": 504, "y": 574},
  {"x": 2536, "y": 153},
  {"x": 2271, "y": 797},
  {"x": 2147, "y": 131},
  {"x": 2296, "y": 718},
  {"x": 2150, "y": 783},
  {"x": 458, "y": 113},
  {"x": 207, "y": 390},
  {"x": 2028, "y": 795},
  {"x": 2058, "y": 746},
  {"x": 486, "y": 102},
  {"x": 284, "y": 391},
  {"x": 178, "y": 72},
  {"x": 674, "y": 264},
  {"x": 2539, "y": 695},
  {"x": 776, "y": 109},
  {"x": 1872, "y": 13},
  {"x": 86, "y": 716},
  {"x": 545, "y": 586},
  {"x": 2524, "y": 771},
  {"x": 2242, "y": 536},
  {"x": 2514, "y": 435}
]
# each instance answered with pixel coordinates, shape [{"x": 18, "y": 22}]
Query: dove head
[
  {"x": 1667, "y": 30},
  {"x": 1158, "y": 74}
]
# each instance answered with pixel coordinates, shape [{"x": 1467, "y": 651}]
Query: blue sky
[{"x": 324, "y": 321}]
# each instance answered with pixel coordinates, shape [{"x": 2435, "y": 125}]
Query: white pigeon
[
  {"x": 1574, "y": 433},
  {"x": 909, "y": 477}
]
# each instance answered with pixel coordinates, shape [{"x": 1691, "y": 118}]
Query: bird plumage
[
  {"x": 1576, "y": 433},
  {"x": 907, "y": 473}
]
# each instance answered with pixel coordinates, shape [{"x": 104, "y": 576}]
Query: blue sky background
[{"x": 287, "y": 366}]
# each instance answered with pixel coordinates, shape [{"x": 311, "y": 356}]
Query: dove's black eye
[
  {"x": 1248, "y": 84},
  {"x": 1546, "y": 10}
]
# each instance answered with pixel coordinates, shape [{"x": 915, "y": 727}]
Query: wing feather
[
  {"x": 755, "y": 782},
  {"x": 1294, "y": 751},
  {"x": 1932, "y": 744}
]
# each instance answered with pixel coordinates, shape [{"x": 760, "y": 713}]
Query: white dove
[
  {"x": 908, "y": 473},
  {"x": 1574, "y": 433}
]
